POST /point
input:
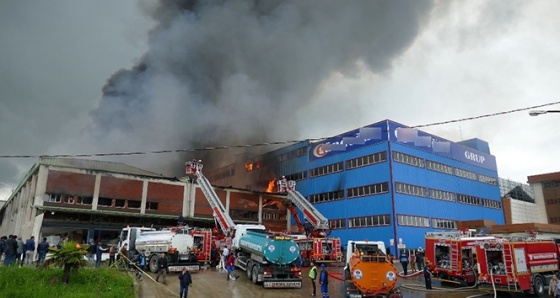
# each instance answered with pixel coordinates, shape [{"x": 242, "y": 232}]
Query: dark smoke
[{"x": 234, "y": 72}]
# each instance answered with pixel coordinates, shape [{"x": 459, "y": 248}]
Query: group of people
[
  {"x": 414, "y": 259},
  {"x": 15, "y": 252},
  {"x": 323, "y": 280}
]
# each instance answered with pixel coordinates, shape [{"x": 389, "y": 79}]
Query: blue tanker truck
[{"x": 267, "y": 258}]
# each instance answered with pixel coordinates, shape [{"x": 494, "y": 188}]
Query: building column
[
  {"x": 227, "y": 201},
  {"x": 260, "y": 209},
  {"x": 193, "y": 197},
  {"x": 144, "y": 197},
  {"x": 96, "y": 189}
]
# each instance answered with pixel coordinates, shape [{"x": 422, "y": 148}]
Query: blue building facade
[{"x": 393, "y": 183}]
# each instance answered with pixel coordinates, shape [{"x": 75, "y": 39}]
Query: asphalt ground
[{"x": 213, "y": 283}]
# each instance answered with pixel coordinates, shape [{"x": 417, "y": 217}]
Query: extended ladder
[
  {"x": 219, "y": 211},
  {"x": 311, "y": 213}
]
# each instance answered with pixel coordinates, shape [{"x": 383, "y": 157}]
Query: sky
[{"x": 86, "y": 77}]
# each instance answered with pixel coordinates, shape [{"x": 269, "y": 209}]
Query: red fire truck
[
  {"x": 518, "y": 264},
  {"x": 452, "y": 255}
]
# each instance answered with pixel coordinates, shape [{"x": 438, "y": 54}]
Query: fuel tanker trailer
[
  {"x": 368, "y": 271},
  {"x": 267, "y": 257}
]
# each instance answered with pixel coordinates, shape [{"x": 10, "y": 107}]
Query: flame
[
  {"x": 271, "y": 184},
  {"x": 249, "y": 166}
]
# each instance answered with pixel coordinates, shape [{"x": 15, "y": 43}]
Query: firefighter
[{"x": 427, "y": 277}]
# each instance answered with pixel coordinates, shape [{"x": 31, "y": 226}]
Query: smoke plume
[{"x": 234, "y": 72}]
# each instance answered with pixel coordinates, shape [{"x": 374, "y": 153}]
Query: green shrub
[{"x": 25, "y": 282}]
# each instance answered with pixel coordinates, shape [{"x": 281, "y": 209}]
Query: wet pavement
[{"x": 213, "y": 283}]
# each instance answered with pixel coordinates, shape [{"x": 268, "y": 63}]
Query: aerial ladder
[
  {"x": 219, "y": 211},
  {"x": 315, "y": 245}
]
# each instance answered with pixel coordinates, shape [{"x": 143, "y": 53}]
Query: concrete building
[
  {"x": 547, "y": 195},
  {"x": 519, "y": 204},
  {"x": 385, "y": 181},
  {"x": 87, "y": 199}
]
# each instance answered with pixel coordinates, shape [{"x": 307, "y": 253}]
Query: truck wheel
[
  {"x": 255, "y": 274},
  {"x": 538, "y": 285},
  {"x": 153, "y": 263},
  {"x": 249, "y": 271}
]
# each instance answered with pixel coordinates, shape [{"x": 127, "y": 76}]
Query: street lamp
[{"x": 540, "y": 112}]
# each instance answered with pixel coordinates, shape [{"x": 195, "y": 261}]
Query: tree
[{"x": 71, "y": 256}]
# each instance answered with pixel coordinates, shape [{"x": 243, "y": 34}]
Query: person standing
[
  {"x": 42, "y": 250},
  {"x": 99, "y": 253},
  {"x": 91, "y": 250},
  {"x": 2, "y": 246},
  {"x": 324, "y": 280},
  {"x": 162, "y": 268},
  {"x": 29, "y": 251},
  {"x": 299, "y": 262},
  {"x": 412, "y": 261},
  {"x": 404, "y": 262},
  {"x": 20, "y": 256},
  {"x": 428, "y": 277},
  {"x": 185, "y": 281},
  {"x": 230, "y": 266},
  {"x": 420, "y": 258},
  {"x": 112, "y": 251},
  {"x": 313, "y": 276},
  {"x": 10, "y": 248},
  {"x": 552, "y": 287},
  {"x": 124, "y": 255},
  {"x": 141, "y": 263}
]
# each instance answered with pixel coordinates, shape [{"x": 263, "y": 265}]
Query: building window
[
  {"x": 465, "y": 174},
  {"x": 408, "y": 159},
  {"x": 413, "y": 221},
  {"x": 327, "y": 196},
  {"x": 105, "y": 202},
  {"x": 120, "y": 203},
  {"x": 328, "y": 169},
  {"x": 366, "y": 160},
  {"x": 439, "y": 167},
  {"x": 297, "y": 176},
  {"x": 491, "y": 204},
  {"x": 469, "y": 200},
  {"x": 53, "y": 198},
  {"x": 134, "y": 204},
  {"x": 409, "y": 189},
  {"x": 337, "y": 224},
  {"x": 368, "y": 190},
  {"x": 487, "y": 179},
  {"x": 445, "y": 224},
  {"x": 84, "y": 201},
  {"x": 369, "y": 221},
  {"x": 152, "y": 205},
  {"x": 442, "y": 195}
]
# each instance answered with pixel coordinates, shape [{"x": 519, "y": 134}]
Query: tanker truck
[
  {"x": 183, "y": 248},
  {"x": 368, "y": 271},
  {"x": 266, "y": 257}
]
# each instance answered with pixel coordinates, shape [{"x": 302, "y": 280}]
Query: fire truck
[
  {"x": 314, "y": 244},
  {"x": 452, "y": 256},
  {"x": 518, "y": 264},
  {"x": 266, "y": 257}
]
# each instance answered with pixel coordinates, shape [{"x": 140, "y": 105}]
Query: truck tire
[
  {"x": 249, "y": 269},
  {"x": 152, "y": 264},
  {"x": 538, "y": 285},
  {"x": 255, "y": 274}
]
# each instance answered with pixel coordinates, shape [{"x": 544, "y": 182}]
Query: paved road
[{"x": 212, "y": 283}]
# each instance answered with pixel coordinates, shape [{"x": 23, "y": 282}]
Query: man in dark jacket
[
  {"x": 20, "y": 256},
  {"x": 10, "y": 248},
  {"x": 162, "y": 268},
  {"x": 29, "y": 251},
  {"x": 186, "y": 281},
  {"x": 42, "y": 250},
  {"x": 2, "y": 245},
  {"x": 404, "y": 262}
]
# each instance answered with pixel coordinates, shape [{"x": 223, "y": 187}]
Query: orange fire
[
  {"x": 271, "y": 184},
  {"x": 249, "y": 166}
]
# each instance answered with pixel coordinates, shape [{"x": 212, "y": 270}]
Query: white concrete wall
[
  {"x": 525, "y": 212},
  {"x": 539, "y": 203}
]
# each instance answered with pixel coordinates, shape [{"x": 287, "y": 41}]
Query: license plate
[
  {"x": 282, "y": 284},
  {"x": 180, "y": 268}
]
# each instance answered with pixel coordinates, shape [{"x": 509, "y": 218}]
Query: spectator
[
  {"x": 324, "y": 280},
  {"x": 2, "y": 245},
  {"x": 185, "y": 282},
  {"x": 10, "y": 248},
  {"x": 20, "y": 256},
  {"x": 162, "y": 269},
  {"x": 404, "y": 262},
  {"x": 92, "y": 249},
  {"x": 42, "y": 250},
  {"x": 29, "y": 251},
  {"x": 112, "y": 251},
  {"x": 99, "y": 253},
  {"x": 124, "y": 254},
  {"x": 140, "y": 263}
]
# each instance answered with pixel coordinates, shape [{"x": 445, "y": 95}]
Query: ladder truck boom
[
  {"x": 220, "y": 214},
  {"x": 313, "y": 215}
]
